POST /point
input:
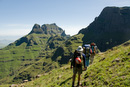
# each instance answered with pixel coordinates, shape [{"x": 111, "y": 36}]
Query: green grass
[
  {"x": 109, "y": 69},
  {"x": 14, "y": 58},
  {"x": 61, "y": 77},
  {"x": 25, "y": 62},
  {"x": 31, "y": 54},
  {"x": 106, "y": 72}
]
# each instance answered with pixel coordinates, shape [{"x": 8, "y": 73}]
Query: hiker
[
  {"x": 92, "y": 51},
  {"x": 86, "y": 51},
  {"x": 76, "y": 63}
]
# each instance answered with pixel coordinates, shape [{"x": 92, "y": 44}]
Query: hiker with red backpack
[
  {"x": 93, "y": 51},
  {"x": 77, "y": 61}
]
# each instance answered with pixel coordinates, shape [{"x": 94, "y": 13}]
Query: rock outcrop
[
  {"x": 110, "y": 28},
  {"x": 52, "y": 29}
]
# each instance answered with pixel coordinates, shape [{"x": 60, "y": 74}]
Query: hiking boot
[{"x": 72, "y": 84}]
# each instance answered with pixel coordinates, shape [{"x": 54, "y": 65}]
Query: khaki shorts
[{"x": 79, "y": 70}]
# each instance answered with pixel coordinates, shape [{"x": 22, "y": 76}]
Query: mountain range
[{"x": 47, "y": 47}]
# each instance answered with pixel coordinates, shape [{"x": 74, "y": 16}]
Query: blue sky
[{"x": 17, "y": 17}]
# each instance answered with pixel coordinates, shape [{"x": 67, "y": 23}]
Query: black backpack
[{"x": 87, "y": 50}]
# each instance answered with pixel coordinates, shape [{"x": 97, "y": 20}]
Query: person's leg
[
  {"x": 79, "y": 77},
  {"x": 74, "y": 75},
  {"x": 87, "y": 61}
]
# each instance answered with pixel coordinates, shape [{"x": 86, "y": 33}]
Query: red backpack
[{"x": 92, "y": 48}]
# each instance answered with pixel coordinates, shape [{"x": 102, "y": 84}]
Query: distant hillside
[
  {"x": 110, "y": 28},
  {"x": 31, "y": 53},
  {"x": 110, "y": 69}
]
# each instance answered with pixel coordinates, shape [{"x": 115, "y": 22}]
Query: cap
[{"x": 80, "y": 49}]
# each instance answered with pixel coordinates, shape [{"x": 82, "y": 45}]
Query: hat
[{"x": 80, "y": 49}]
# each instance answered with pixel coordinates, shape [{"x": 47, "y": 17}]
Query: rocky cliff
[{"x": 110, "y": 28}]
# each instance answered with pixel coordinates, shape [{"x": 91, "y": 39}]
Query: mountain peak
[
  {"x": 36, "y": 29},
  {"x": 51, "y": 29},
  {"x": 36, "y": 26},
  {"x": 54, "y": 23}
]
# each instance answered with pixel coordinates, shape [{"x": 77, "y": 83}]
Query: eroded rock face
[{"x": 110, "y": 28}]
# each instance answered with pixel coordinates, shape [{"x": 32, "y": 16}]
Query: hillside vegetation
[
  {"x": 31, "y": 53},
  {"x": 109, "y": 69},
  {"x": 34, "y": 54}
]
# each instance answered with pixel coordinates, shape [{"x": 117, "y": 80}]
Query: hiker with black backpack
[
  {"x": 77, "y": 61},
  {"x": 93, "y": 51}
]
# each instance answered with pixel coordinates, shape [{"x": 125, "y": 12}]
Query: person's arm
[
  {"x": 84, "y": 60},
  {"x": 72, "y": 61}
]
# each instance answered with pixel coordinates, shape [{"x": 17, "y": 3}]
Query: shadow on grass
[{"x": 65, "y": 81}]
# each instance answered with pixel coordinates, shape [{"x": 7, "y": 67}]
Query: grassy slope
[
  {"x": 110, "y": 69},
  {"x": 14, "y": 58},
  {"x": 17, "y": 59},
  {"x": 25, "y": 62}
]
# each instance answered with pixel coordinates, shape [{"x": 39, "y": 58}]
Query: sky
[{"x": 17, "y": 17}]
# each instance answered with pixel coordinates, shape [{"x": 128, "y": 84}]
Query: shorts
[{"x": 77, "y": 70}]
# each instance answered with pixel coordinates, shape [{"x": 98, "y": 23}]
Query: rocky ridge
[{"x": 109, "y": 29}]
